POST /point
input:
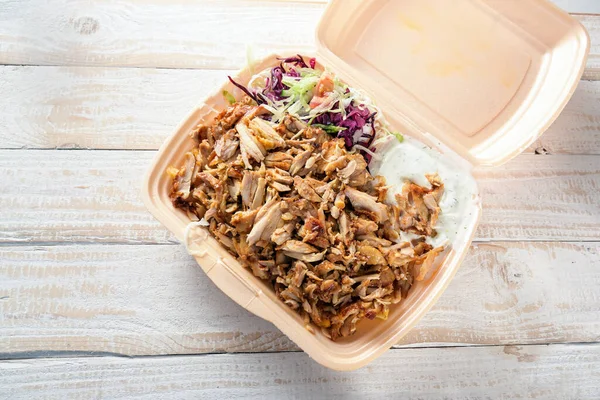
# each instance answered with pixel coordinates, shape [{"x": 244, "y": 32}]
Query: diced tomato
[
  {"x": 322, "y": 90},
  {"x": 325, "y": 85},
  {"x": 316, "y": 101}
]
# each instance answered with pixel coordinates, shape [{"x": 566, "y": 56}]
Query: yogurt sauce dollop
[{"x": 411, "y": 160}]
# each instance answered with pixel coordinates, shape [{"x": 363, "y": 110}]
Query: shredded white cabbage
[{"x": 369, "y": 152}]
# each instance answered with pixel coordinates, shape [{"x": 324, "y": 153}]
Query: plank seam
[{"x": 50, "y": 355}]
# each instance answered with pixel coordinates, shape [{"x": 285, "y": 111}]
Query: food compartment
[{"x": 372, "y": 337}]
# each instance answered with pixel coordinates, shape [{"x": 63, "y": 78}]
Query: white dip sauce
[{"x": 411, "y": 160}]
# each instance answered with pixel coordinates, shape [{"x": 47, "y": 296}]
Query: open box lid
[{"x": 484, "y": 77}]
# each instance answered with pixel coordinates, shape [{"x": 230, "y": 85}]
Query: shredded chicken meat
[{"x": 304, "y": 213}]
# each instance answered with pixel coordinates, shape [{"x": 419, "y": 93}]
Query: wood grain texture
[
  {"x": 143, "y": 300},
  {"x": 93, "y": 196},
  {"x": 91, "y": 107},
  {"x": 592, "y": 24},
  {"x": 167, "y": 34},
  {"x": 134, "y": 108},
  {"x": 541, "y": 197},
  {"x": 559, "y": 371}
]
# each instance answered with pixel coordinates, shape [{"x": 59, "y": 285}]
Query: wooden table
[{"x": 98, "y": 300}]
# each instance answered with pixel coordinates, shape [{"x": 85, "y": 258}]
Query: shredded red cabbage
[
  {"x": 296, "y": 60},
  {"x": 329, "y": 118},
  {"x": 253, "y": 96},
  {"x": 356, "y": 119},
  {"x": 274, "y": 85},
  {"x": 293, "y": 73}
]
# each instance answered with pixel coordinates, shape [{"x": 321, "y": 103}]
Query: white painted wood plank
[
  {"x": 542, "y": 196},
  {"x": 91, "y": 107},
  {"x": 592, "y": 24},
  {"x": 579, "y": 6},
  {"x": 577, "y": 129},
  {"x": 153, "y": 300},
  {"x": 134, "y": 108},
  {"x": 75, "y": 196},
  {"x": 559, "y": 371},
  {"x": 168, "y": 34},
  {"x": 93, "y": 196}
]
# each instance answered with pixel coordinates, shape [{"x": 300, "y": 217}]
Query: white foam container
[{"x": 477, "y": 80}]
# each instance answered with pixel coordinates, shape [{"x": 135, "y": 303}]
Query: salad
[{"x": 320, "y": 99}]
